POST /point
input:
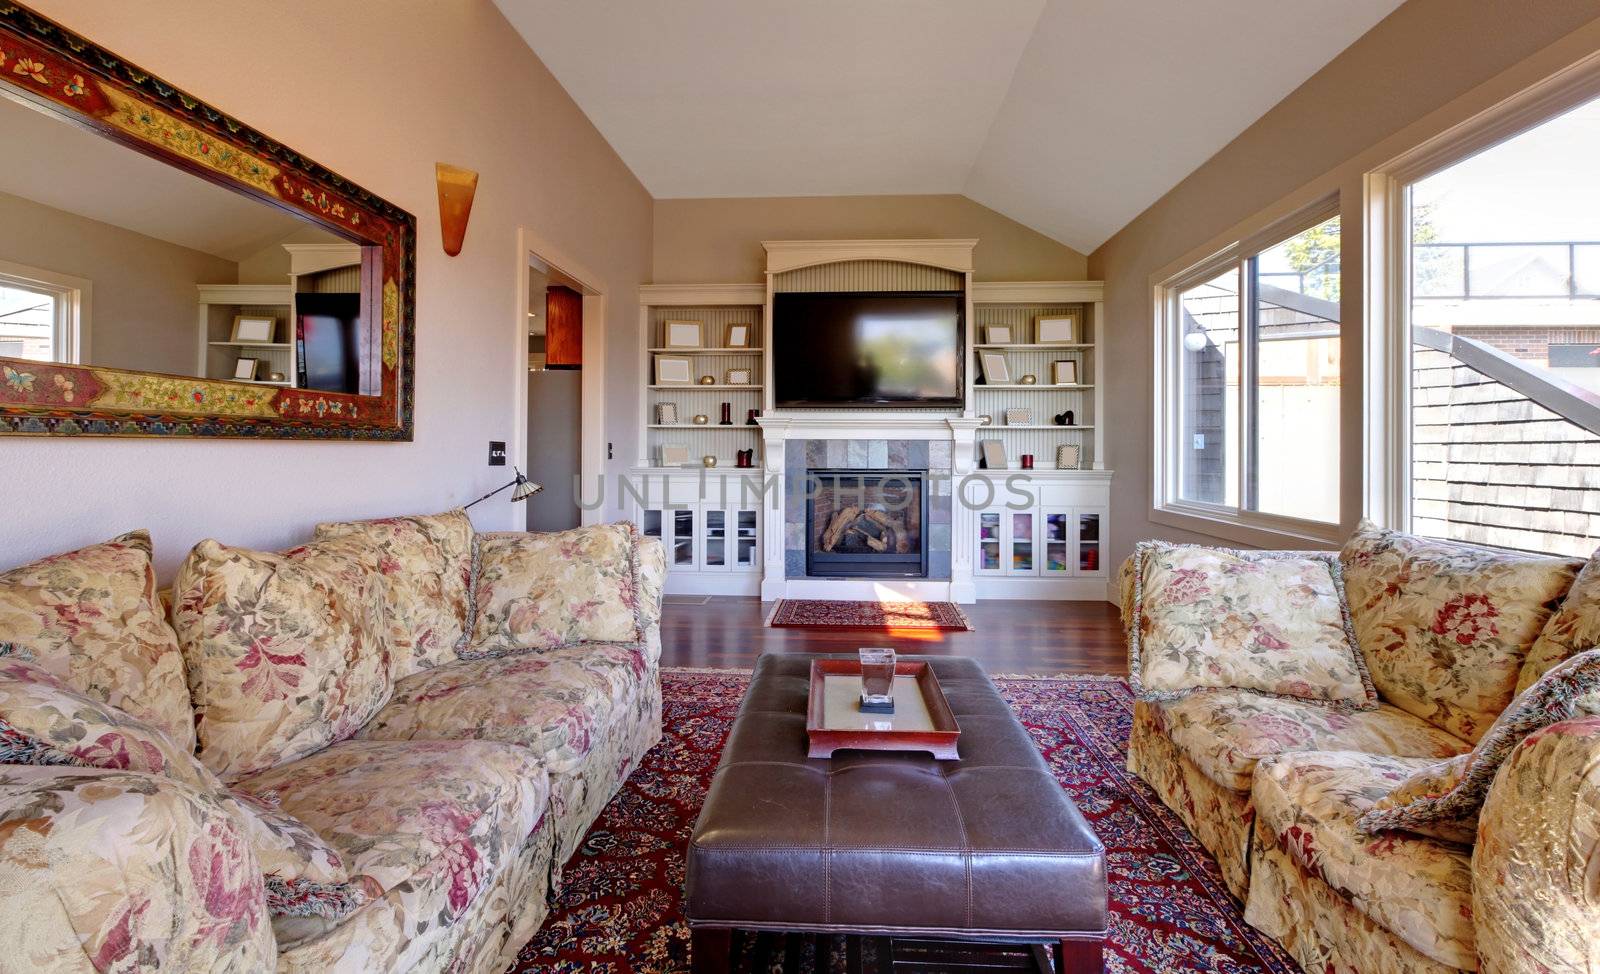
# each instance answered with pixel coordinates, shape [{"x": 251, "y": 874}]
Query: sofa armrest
[
  {"x": 1536, "y": 864},
  {"x": 650, "y": 581},
  {"x": 104, "y": 870},
  {"x": 650, "y": 567},
  {"x": 1125, "y": 593}
]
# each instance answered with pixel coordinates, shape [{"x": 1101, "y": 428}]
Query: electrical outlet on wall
[{"x": 497, "y": 453}]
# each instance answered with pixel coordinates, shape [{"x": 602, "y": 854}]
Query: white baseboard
[
  {"x": 867, "y": 589},
  {"x": 709, "y": 583},
  {"x": 1049, "y": 589}
]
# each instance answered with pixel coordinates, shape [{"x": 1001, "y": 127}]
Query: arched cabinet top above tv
[{"x": 788, "y": 255}]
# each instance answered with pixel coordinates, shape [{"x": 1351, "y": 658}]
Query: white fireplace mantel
[{"x": 777, "y": 430}]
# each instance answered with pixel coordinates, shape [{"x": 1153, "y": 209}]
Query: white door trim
[{"x": 592, "y": 429}]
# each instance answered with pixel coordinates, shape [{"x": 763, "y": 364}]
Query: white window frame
[
  {"x": 1169, "y": 507},
  {"x": 1386, "y": 270},
  {"x": 72, "y": 297}
]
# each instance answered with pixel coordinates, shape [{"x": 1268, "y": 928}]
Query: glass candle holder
[{"x": 877, "y": 679}]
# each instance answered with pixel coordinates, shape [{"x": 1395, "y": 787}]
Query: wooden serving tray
[{"x": 922, "y": 720}]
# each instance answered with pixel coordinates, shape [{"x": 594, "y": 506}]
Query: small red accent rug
[
  {"x": 824, "y": 614},
  {"x": 618, "y": 910}
]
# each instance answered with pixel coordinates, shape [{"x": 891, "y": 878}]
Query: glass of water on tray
[{"x": 877, "y": 679}]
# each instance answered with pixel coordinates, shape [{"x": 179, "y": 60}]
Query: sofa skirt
[
  {"x": 1319, "y": 927},
  {"x": 1219, "y": 818},
  {"x": 578, "y": 798}
]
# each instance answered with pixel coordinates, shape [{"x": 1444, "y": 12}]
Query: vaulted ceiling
[{"x": 1069, "y": 116}]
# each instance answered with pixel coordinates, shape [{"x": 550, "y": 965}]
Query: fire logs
[{"x": 879, "y": 530}]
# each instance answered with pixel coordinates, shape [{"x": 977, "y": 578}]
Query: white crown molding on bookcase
[
  {"x": 789, "y": 255},
  {"x": 1037, "y": 292},
  {"x": 316, "y": 258},
  {"x": 245, "y": 294},
  {"x": 700, "y": 295}
]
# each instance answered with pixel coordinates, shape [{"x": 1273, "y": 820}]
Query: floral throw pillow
[
  {"x": 43, "y": 721},
  {"x": 1444, "y": 800},
  {"x": 1573, "y": 628},
  {"x": 286, "y": 652},
  {"x": 1445, "y": 627},
  {"x": 544, "y": 591},
  {"x": 92, "y": 618},
  {"x": 41, "y": 713},
  {"x": 427, "y": 562},
  {"x": 1269, "y": 621}
]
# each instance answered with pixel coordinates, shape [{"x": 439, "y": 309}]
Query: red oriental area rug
[
  {"x": 618, "y": 910},
  {"x": 822, "y": 614}
]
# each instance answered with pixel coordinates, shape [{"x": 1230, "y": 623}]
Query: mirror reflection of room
[{"x": 113, "y": 259}]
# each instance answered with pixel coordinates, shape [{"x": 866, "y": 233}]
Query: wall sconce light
[{"x": 457, "y": 187}]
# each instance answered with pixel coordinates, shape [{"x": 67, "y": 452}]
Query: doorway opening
[{"x": 559, "y": 408}]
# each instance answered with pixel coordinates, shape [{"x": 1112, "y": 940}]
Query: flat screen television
[
  {"x": 875, "y": 349},
  {"x": 327, "y": 330}
]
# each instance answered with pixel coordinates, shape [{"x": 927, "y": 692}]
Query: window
[
  {"x": 1497, "y": 354},
  {"x": 1250, "y": 395},
  {"x": 42, "y": 315},
  {"x": 27, "y": 323}
]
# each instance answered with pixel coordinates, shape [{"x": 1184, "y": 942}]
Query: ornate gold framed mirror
[{"x": 169, "y": 271}]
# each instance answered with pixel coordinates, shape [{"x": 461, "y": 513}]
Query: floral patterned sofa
[
  {"x": 372, "y": 752},
  {"x": 1274, "y": 786}
]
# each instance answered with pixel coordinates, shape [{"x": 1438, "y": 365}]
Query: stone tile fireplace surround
[
  {"x": 938, "y": 447},
  {"x": 930, "y": 458}
]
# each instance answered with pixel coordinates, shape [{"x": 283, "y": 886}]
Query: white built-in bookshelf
[
  {"x": 1018, "y": 307},
  {"x": 715, "y": 308},
  {"x": 1054, "y": 549}
]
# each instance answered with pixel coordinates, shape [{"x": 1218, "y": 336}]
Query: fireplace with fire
[{"x": 866, "y": 524}]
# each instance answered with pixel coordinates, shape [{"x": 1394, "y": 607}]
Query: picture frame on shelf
[
  {"x": 246, "y": 368},
  {"x": 674, "y": 455},
  {"x": 1057, "y": 329},
  {"x": 666, "y": 414},
  {"x": 995, "y": 369},
  {"x": 993, "y": 453},
  {"x": 1068, "y": 456},
  {"x": 685, "y": 334},
  {"x": 738, "y": 336},
  {"x": 1019, "y": 417},
  {"x": 1064, "y": 373},
  {"x": 737, "y": 377},
  {"x": 255, "y": 329},
  {"x": 674, "y": 370},
  {"x": 997, "y": 335}
]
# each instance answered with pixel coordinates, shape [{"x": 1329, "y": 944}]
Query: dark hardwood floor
[{"x": 1011, "y": 637}]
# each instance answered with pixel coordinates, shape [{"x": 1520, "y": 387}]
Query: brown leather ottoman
[{"x": 880, "y": 843}]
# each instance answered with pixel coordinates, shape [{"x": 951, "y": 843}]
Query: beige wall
[
  {"x": 1429, "y": 66},
  {"x": 397, "y": 86},
  {"x": 143, "y": 299},
  {"x": 705, "y": 241}
]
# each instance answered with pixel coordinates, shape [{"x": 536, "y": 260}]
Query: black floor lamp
[{"x": 525, "y": 489}]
